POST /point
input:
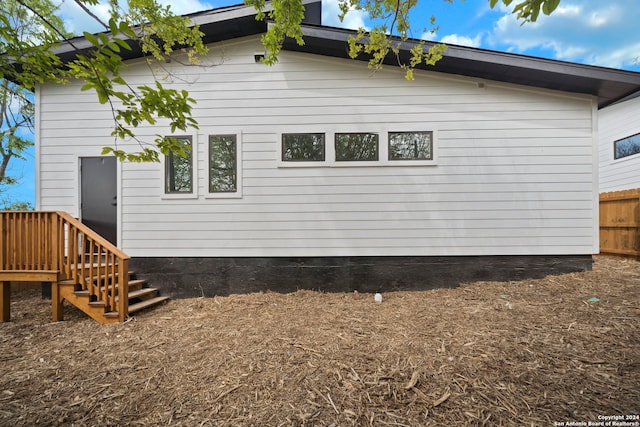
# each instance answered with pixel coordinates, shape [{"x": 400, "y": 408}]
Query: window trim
[
  {"x": 616, "y": 159},
  {"x": 225, "y": 195},
  {"x": 193, "y": 194},
  {"x": 304, "y": 163},
  {"x": 383, "y": 147}
]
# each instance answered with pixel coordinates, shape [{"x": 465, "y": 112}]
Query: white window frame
[{"x": 383, "y": 147}]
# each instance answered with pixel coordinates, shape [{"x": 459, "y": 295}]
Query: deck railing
[{"x": 55, "y": 241}]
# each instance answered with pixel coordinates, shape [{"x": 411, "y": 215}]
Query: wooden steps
[
  {"x": 140, "y": 297},
  {"x": 135, "y": 307}
]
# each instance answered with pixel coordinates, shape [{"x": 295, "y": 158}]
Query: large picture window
[
  {"x": 626, "y": 147},
  {"x": 353, "y": 147},
  {"x": 179, "y": 170},
  {"x": 410, "y": 145},
  {"x": 303, "y": 147},
  {"x": 223, "y": 164}
]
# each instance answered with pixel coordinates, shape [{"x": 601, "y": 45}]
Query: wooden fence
[{"x": 620, "y": 223}]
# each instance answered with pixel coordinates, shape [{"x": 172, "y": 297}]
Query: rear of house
[{"x": 318, "y": 173}]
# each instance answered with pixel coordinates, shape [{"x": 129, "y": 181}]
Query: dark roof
[{"x": 607, "y": 84}]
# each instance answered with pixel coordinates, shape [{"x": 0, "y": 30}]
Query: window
[
  {"x": 223, "y": 164},
  {"x": 179, "y": 170},
  {"x": 356, "y": 147},
  {"x": 410, "y": 145},
  {"x": 359, "y": 145},
  {"x": 626, "y": 147},
  {"x": 303, "y": 147}
]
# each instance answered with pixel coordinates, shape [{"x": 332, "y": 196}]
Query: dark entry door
[{"x": 99, "y": 195}]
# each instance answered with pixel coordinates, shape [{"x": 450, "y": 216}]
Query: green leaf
[
  {"x": 126, "y": 29},
  {"x": 113, "y": 26},
  {"x": 113, "y": 46},
  {"x": 91, "y": 38},
  {"x": 104, "y": 39},
  {"x": 123, "y": 44},
  {"x": 549, "y": 6},
  {"x": 534, "y": 14}
]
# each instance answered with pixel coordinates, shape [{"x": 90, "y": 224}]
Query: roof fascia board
[
  {"x": 231, "y": 12},
  {"x": 494, "y": 57},
  {"x": 213, "y": 16}
]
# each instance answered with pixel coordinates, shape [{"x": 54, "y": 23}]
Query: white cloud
[
  {"x": 184, "y": 7},
  {"x": 568, "y": 11},
  {"x": 353, "y": 20},
  {"x": 429, "y": 36},
  {"x": 602, "y": 17},
  {"x": 617, "y": 58},
  {"x": 462, "y": 40},
  {"x": 587, "y": 31}
]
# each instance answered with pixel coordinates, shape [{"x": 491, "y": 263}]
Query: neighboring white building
[
  {"x": 377, "y": 182},
  {"x": 619, "y": 145}
]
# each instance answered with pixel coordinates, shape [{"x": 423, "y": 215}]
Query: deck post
[
  {"x": 2, "y": 233},
  {"x": 5, "y": 301},
  {"x": 57, "y": 310},
  {"x": 123, "y": 289}
]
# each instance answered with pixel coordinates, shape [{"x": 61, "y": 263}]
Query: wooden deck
[{"x": 83, "y": 268}]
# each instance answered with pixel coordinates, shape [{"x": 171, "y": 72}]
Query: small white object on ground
[{"x": 377, "y": 298}]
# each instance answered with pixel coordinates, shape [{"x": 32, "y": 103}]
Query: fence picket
[{"x": 620, "y": 222}]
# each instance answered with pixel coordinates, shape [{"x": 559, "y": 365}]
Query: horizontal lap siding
[
  {"x": 514, "y": 172},
  {"x": 614, "y": 123}
]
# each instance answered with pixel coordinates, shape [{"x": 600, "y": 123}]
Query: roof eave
[{"x": 607, "y": 84}]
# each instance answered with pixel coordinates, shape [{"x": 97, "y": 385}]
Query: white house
[
  {"x": 619, "y": 145},
  {"x": 319, "y": 173}
]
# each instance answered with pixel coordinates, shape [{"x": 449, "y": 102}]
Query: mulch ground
[{"x": 535, "y": 352}]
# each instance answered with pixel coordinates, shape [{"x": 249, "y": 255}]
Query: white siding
[
  {"x": 514, "y": 171},
  {"x": 616, "y": 122}
]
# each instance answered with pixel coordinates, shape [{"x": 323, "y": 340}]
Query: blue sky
[{"x": 594, "y": 32}]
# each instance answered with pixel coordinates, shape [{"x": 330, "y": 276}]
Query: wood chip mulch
[{"x": 536, "y": 352}]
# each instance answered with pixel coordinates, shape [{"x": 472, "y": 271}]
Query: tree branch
[
  {"x": 91, "y": 14},
  {"x": 49, "y": 24}
]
